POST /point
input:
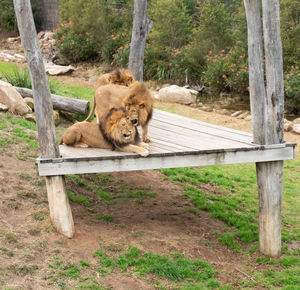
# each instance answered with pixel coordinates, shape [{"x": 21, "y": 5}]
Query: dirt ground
[{"x": 161, "y": 224}]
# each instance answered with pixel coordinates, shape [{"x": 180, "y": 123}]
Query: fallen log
[{"x": 61, "y": 103}]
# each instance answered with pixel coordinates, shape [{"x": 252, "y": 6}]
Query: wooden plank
[
  {"x": 190, "y": 134},
  {"x": 134, "y": 162},
  {"x": 198, "y": 125}
]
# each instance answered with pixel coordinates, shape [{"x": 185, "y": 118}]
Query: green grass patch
[
  {"x": 78, "y": 198},
  {"x": 175, "y": 268}
]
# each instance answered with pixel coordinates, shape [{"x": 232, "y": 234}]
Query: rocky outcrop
[{"x": 13, "y": 100}]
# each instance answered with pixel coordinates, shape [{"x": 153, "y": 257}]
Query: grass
[{"x": 174, "y": 268}]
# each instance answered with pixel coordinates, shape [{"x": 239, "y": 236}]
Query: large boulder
[
  {"x": 11, "y": 98},
  {"x": 55, "y": 70},
  {"x": 176, "y": 94},
  {"x": 296, "y": 128}
]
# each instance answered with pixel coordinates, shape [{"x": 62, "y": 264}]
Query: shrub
[
  {"x": 113, "y": 44},
  {"x": 75, "y": 46},
  {"x": 188, "y": 57},
  {"x": 7, "y": 14},
  {"x": 292, "y": 89},
  {"x": 227, "y": 72}
]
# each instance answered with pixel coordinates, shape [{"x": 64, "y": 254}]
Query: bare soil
[{"x": 162, "y": 224}]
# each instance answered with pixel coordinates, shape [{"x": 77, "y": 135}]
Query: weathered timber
[
  {"x": 61, "y": 103},
  {"x": 267, "y": 115},
  {"x": 140, "y": 30},
  {"x": 60, "y": 211}
]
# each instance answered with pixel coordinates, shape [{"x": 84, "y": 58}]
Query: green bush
[
  {"x": 7, "y": 14},
  {"x": 292, "y": 89},
  {"x": 113, "y": 44},
  {"x": 227, "y": 72},
  {"x": 75, "y": 46}
]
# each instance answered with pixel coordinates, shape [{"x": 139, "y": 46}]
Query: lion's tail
[{"x": 92, "y": 110}]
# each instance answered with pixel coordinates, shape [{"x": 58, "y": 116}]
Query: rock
[
  {"x": 29, "y": 102},
  {"x": 207, "y": 108},
  {"x": 13, "y": 39},
  {"x": 176, "y": 94},
  {"x": 235, "y": 114},
  {"x": 30, "y": 117},
  {"x": 55, "y": 70},
  {"x": 56, "y": 118},
  {"x": 248, "y": 118},
  {"x": 296, "y": 128},
  {"x": 10, "y": 97},
  {"x": 3, "y": 108},
  {"x": 243, "y": 115},
  {"x": 5, "y": 84},
  {"x": 296, "y": 121},
  {"x": 288, "y": 126}
]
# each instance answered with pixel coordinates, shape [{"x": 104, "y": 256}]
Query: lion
[
  {"x": 119, "y": 76},
  {"x": 115, "y": 131},
  {"x": 136, "y": 99}
]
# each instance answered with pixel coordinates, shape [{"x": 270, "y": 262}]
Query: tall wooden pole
[
  {"x": 267, "y": 115},
  {"x": 141, "y": 28},
  {"x": 60, "y": 211}
]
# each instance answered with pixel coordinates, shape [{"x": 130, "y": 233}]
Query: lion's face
[{"x": 119, "y": 127}]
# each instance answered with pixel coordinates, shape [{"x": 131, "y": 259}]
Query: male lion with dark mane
[
  {"x": 119, "y": 76},
  {"x": 115, "y": 131},
  {"x": 136, "y": 99}
]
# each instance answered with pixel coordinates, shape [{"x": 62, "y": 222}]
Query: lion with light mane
[
  {"x": 136, "y": 99},
  {"x": 115, "y": 131},
  {"x": 119, "y": 76}
]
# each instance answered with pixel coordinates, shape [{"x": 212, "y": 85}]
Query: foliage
[
  {"x": 290, "y": 31},
  {"x": 113, "y": 45},
  {"x": 213, "y": 25},
  {"x": 18, "y": 77},
  {"x": 98, "y": 28},
  {"x": 75, "y": 46},
  {"x": 172, "y": 25},
  {"x": 292, "y": 88},
  {"x": 227, "y": 71},
  {"x": 7, "y": 14}
]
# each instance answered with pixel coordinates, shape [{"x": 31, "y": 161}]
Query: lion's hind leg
[{"x": 72, "y": 137}]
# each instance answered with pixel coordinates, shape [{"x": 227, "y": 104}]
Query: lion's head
[
  {"x": 139, "y": 102},
  {"x": 121, "y": 76},
  {"x": 117, "y": 128}
]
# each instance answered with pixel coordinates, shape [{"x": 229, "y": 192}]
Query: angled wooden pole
[
  {"x": 267, "y": 115},
  {"x": 141, "y": 28},
  {"x": 60, "y": 211}
]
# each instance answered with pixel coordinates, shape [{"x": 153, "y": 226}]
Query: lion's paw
[
  {"x": 146, "y": 139},
  {"x": 145, "y": 145},
  {"x": 144, "y": 152}
]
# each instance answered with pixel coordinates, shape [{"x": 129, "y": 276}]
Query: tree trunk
[
  {"x": 58, "y": 200},
  {"x": 267, "y": 116},
  {"x": 60, "y": 103},
  {"x": 141, "y": 28}
]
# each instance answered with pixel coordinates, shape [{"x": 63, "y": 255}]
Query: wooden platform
[{"x": 176, "y": 141}]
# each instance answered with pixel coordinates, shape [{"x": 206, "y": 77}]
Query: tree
[
  {"x": 290, "y": 31},
  {"x": 213, "y": 28},
  {"x": 140, "y": 31},
  {"x": 172, "y": 25}
]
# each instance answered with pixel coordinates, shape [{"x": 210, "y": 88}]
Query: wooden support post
[
  {"x": 141, "y": 28},
  {"x": 60, "y": 211},
  {"x": 267, "y": 115}
]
